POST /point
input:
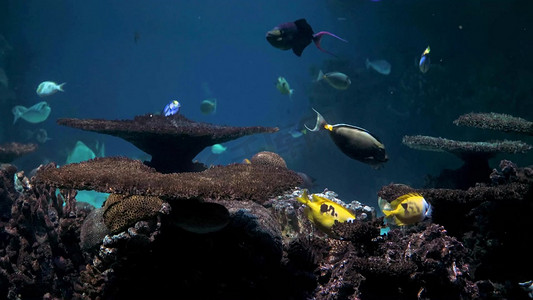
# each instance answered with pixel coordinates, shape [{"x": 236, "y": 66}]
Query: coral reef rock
[
  {"x": 172, "y": 141},
  {"x": 487, "y": 219}
]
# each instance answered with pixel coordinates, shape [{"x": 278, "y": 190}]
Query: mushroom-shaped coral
[
  {"x": 12, "y": 151},
  {"x": 495, "y": 121},
  {"x": 172, "y": 141},
  {"x": 474, "y": 154},
  {"x": 255, "y": 182}
]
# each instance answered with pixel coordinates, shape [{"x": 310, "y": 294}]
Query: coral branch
[
  {"x": 12, "y": 151},
  {"x": 495, "y": 121}
]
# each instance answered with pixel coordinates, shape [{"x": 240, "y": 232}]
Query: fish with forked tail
[
  {"x": 355, "y": 142},
  {"x": 297, "y": 36}
]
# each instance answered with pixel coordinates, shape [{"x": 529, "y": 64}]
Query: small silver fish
[
  {"x": 47, "y": 88},
  {"x": 337, "y": 80},
  {"x": 34, "y": 114},
  {"x": 381, "y": 66}
]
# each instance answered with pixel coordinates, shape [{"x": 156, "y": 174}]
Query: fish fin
[
  {"x": 426, "y": 51},
  {"x": 60, "y": 87},
  {"x": 215, "y": 110},
  {"x": 298, "y": 49},
  {"x": 304, "y": 28},
  {"x": 402, "y": 198},
  {"x": 383, "y": 204},
  {"x": 16, "y": 113},
  {"x": 320, "y": 122},
  {"x": 304, "y": 198},
  {"x": 320, "y": 76},
  {"x": 367, "y": 63},
  {"x": 387, "y": 213},
  {"x": 317, "y": 37}
]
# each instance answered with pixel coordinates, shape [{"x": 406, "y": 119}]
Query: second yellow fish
[
  {"x": 323, "y": 212},
  {"x": 405, "y": 210}
]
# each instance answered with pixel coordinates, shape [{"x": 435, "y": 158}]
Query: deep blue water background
[{"x": 193, "y": 50}]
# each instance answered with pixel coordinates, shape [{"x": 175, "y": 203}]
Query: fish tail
[
  {"x": 60, "y": 87},
  {"x": 318, "y": 36},
  {"x": 426, "y": 51},
  {"x": 320, "y": 76},
  {"x": 304, "y": 198},
  {"x": 387, "y": 213},
  {"x": 367, "y": 63},
  {"x": 320, "y": 122}
]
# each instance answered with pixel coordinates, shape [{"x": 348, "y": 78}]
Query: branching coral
[
  {"x": 172, "y": 141},
  {"x": 39, "y": 244}
]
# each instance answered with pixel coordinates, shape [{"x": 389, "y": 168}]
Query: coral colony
[{"x": 238, "y": 232}]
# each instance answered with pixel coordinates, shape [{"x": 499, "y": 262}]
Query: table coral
[
  {"x": 495, "y": 121},
  {"x": 12, "y": 151},
  {"x": 172, "y": 141},
  {"x": 475, "y": 156},
  {"x": 254, "y": 182}
]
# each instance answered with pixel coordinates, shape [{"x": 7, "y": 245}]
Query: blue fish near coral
[{"x": 172, "y": 108}]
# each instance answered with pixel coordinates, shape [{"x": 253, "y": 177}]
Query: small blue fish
[
  {"x": 424, "y": 63},
  {"x": 172, "y": 108}
]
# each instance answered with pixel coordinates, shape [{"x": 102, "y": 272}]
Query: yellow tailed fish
[{"x": 355, "y": 142}]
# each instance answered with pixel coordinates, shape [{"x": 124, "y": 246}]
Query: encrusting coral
[
  {"x": 121, "y": 211},
  {"x": 12, "y": 151},
  {"x": 172, "y": 141}
]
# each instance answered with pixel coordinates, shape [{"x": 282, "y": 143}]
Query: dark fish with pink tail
[{"x": 296, "y": 36}]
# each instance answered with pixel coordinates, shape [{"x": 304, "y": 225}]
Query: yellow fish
[
  {"x": 323, "y": 212},
  {"x": 407, "y": 209}
]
